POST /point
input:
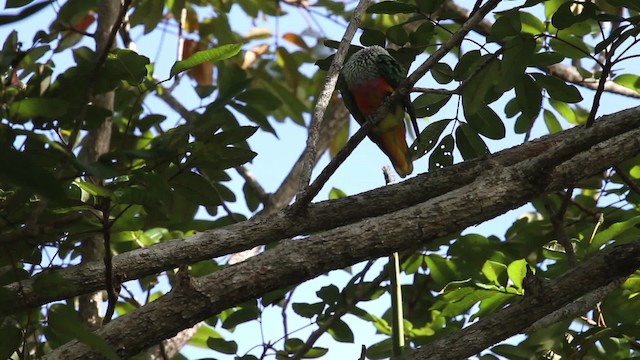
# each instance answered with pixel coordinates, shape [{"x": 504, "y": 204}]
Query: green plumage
[{"x": 365, "y": 81}]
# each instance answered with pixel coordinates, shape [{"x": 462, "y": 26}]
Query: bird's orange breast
[{"x": 370, "y": 94}]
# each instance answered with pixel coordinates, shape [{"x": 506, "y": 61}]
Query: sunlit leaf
[{"x": 219, "y": 53}]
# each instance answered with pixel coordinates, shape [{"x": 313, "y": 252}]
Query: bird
[{"x": 365, "y": 80}]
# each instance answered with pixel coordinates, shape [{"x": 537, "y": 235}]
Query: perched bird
[{"x": 366, "y": 79}]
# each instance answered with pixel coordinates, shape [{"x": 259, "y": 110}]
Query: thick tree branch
[
  {"x": 518, "y": 175},
  {"x": 597, "y": 272},
  {"x": 493, "y": 192}
]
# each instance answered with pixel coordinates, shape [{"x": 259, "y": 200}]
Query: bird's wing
[
  {"x": 394, "y": 73},
  {"x": 350, "y": 100}
]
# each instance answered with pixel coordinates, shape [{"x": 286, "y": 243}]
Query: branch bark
[{"x": 572, "y": 156}]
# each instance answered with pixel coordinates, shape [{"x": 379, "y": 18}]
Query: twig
[
  {"x": 397, "y": 318},
  {"x": 606, "y": 69},
  {"x": 557, "y": 219},
  {"x": 627, "y": 180},
  {"x": 325, "y": 95},
  {"x": 112, "y": 294},
  {"x": 436, "y": 91}
]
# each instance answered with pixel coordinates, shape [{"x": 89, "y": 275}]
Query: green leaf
[
  {"x": 32, "y": 107},
  {"x": 391, "y": 7},
  {"x": 529, "y": 100},
  {"x": 380, "y": 350},
  {"x": 260, "y": 98},
  {"x": 220, "y": 53},
  {"x": 340, "y": 331},
  {"x": 430, "y": 103},
  {"x": 234, "y": 135},
  {"x": 614, "y": 36},
  {"x": 486, "y": 122},
  {"x": 202, "y": 335},
  {"x": 16, "y": 3},
  {"x": 545, "y": 59},
  {"x": 459, "y": 301},
  {"x": 241, "y": 315},
  {"x": 442, "y": 155},
  {"x": 336, "y": 193},
  {"x": 517, "y": 270},
  {"x": 565, "y": 111},
  {"x": 329, "y": 294},
  {"x": 558, "y": 89},
  {"x": 476, "y": 89},
  {"x": 442, "y": 270},
  {"x": 93, "y": 189},
  {"x": 7, "y": 19},
  {"x": 531, "y": 24},
  {"x": 630, "y": 81},
  {"x": 429, "y": 6},
  {"x": 429, "y": 138},
  {"x": 372, "y": 37},
  {"x": 570, "y": 46},
  {"x": 470, "y": 144},
  {"x": 11, "y": 340},
  {"x": 292, "y": 345},
  {"x": 423, "y": 36},
  {"x": 397, "y": 35},
  {"x": 613, "y": 231},
  {"x": 491, "y": 304},
  {"x": 442, "y": 73},
  {"x": 508, "y": 24},
  {"x": 255, "y": 115},
  {"x": 517, "y": 55},
  {"x": 563, "y": 17},
  {"x": 492, "y": 271},
  {"x": 308, "y": 310},
  {"x": 553, "y": 125},
  {"x": 64, "y": 319},
  {"x": 465, "y": 67},
  {"x": 222, "y": 345}
]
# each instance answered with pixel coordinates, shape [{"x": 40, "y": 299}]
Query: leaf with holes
[{"x": 429, "y": 138}]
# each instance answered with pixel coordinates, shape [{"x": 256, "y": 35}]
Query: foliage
[{"x": 166, "y": 174}]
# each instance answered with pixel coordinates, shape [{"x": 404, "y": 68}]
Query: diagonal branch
[{"x": 327, "y": 90}]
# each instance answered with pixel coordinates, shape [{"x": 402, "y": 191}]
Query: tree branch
[
  {"x": 517, "y": 175},
  {"x": 495, "y": 191},
  {"x": 592, "y": 274}
]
